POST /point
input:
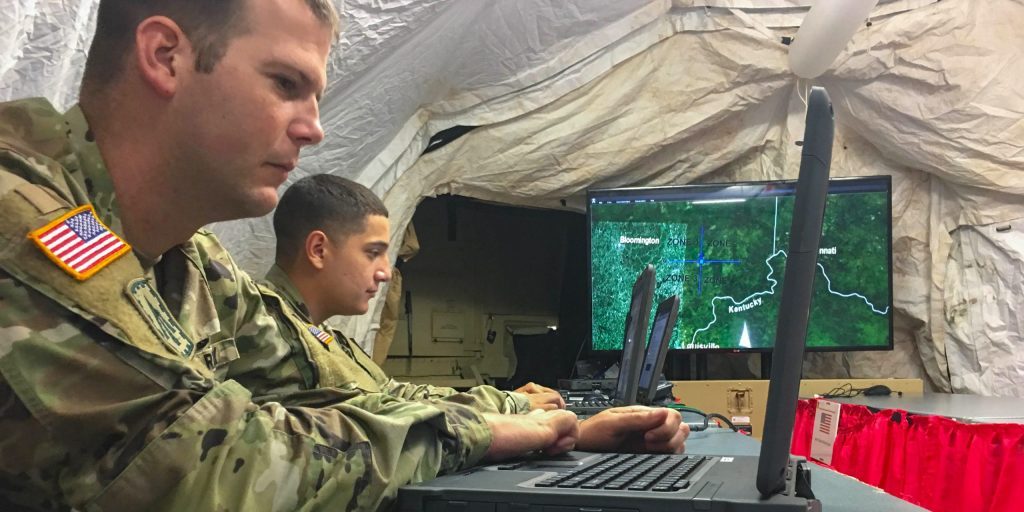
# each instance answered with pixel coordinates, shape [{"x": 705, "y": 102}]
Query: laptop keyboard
[{"x": 630, "y": 472}]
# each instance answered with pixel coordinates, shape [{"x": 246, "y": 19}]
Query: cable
[
  {"x": 725, "y": 420},
  {"x": 843, "y": 391},
  {"x": 579, "y": 351},
  {"x": 706, "y": 416},
  {"x": 848, "y": 391}
]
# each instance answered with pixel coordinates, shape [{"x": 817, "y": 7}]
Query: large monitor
[{"x": 722, "y": 249}]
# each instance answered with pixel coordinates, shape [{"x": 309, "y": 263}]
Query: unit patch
[{"x": 153, "y": 309}]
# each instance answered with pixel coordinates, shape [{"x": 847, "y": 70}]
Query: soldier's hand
[
  {"x": 517, "y": 434},
  {"x": 634, "y": 429},
  {"x": 542, "y": 397}
]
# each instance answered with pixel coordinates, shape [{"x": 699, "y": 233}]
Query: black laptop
[
  {"x": 773, "y": 481},
  {"x": 632, "y": 351},
  {"x": 657, "y": 348},
  {"x": 643, "y": 376}
]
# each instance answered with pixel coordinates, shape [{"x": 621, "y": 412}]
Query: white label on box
[{"x": 826, "y": 425}]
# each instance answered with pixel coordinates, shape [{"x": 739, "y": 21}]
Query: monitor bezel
[{"x": 704, "y": 190}]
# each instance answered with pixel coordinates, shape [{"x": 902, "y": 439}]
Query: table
[
  {"x": 946, "y": 452},
  {"x": 837, "y": 492},
  {"x": 966, "y": 408}
]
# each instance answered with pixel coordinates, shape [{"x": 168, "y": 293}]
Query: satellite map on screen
[{"x": 726, "y": 259}]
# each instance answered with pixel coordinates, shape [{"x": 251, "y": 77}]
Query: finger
[
  {"x": 566, "y": 421},
  {"x": 663, "y": 432},
  {"x": 673, "y": 444},
  {"x": 545, "y": 407},
  {"x": 561, "y": 446},
  {"x": 630, "y": 409},
  {"x": 678, "y": 442},
  {"x": 555, "y": 399},
  {"x": 634, "y": 420}
]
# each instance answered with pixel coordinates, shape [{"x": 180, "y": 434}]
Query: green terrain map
[{"x": 726, "y": 260}]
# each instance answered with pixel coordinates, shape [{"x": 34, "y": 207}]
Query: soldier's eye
[{"x": 285, "y": 84}]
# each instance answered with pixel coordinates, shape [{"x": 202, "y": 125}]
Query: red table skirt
[{"x": 932, "y": 461}]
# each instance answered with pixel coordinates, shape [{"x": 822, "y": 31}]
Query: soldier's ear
[
  {"x": 317, "y": 247},
  {"x": 161, "y": 53}
]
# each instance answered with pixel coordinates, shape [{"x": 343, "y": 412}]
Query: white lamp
[{"x": 826, "y": 29}]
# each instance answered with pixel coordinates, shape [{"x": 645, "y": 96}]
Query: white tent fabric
[{"x": 571, "y": 94}]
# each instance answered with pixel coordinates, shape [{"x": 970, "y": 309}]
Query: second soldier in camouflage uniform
[{"x": 321, "y": 356}]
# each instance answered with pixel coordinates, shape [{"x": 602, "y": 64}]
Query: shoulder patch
[
  {"x": 42, "y": 198},
  {"x": 153, "y": 309},
  {"x": 79, "y": 242},
  {"x": 320, "y": 334}
]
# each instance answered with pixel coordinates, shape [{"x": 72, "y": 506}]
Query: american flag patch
[
  {"x": 79, "y": 243},
  {"x": 320, "y": 334}
]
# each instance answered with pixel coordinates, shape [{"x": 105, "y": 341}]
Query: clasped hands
[{"x": 633, "y": 429}]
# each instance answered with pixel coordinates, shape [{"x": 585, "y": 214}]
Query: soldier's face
[
  {"x": 356, "y": 267},
  {"x": 242, "y": 125}
]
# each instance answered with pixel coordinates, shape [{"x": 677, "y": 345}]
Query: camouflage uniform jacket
[
  {"x": 112, "y": 394},
  {"x": 324, "y": 357}
]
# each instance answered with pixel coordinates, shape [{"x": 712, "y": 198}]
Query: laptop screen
[
  {"x": 797, "y": 288},
  {"x": 657, "y": 347}
]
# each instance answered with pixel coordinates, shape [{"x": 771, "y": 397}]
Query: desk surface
[
  {"x": 968, "y": 408},
  {"x": 837, "y": 492}
]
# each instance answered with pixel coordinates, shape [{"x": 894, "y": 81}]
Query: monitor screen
[{"x": 722, "y": 249}]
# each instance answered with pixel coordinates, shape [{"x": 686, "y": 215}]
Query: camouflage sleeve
[
  {"x": 242, "y": 313},
  {"x": 482, "y": 398},
  {"x": 91, "y": 423}
]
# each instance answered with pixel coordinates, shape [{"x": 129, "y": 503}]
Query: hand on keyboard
[
  {"x": 634, "y": 429},
  {"x": 541, "y": 397},
  {"x": 513, "y": 435}
]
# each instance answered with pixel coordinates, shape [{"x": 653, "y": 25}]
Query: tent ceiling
[{"x": 570, "y": 94}]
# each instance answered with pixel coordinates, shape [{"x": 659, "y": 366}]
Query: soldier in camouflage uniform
[
  {"x": 322, "y": 357},
  {"x": 332, "y": 239},
  {"x": 119, "y": 317}
]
